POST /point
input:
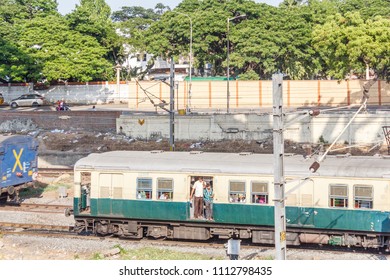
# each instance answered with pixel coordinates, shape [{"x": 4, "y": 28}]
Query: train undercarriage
[
  {"x": 137, "y": 229},
  {"x": 12, "y": 192}
]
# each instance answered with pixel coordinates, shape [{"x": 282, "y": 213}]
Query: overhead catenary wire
[
  {"x": 342, "y": 132},
  {"x": 314, "y": 167},
  {"x": 148, "y": 94}
]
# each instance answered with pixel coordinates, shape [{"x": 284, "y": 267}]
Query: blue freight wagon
[{"x": 18, "y": 165}]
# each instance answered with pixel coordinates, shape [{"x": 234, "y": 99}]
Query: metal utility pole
[
  {"x": 227, "y": 69},
  {"x": 172, "y": 108},
  {"x": 188, "y": 106},
  {"x": 279, "y": 183}
]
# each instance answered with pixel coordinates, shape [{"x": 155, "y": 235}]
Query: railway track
[
  {"x": 9, "y": 227},
  {"x": 66, "y": 232},
  {"x": 37, "y": 208},
  {"x": 54, "y": 172}
]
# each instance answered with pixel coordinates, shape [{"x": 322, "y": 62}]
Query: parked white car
[{"x": 27, "y": 100}]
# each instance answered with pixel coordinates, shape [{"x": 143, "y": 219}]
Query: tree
[
  {"x": 28, "y": 9},
  {"x": 132, "y": 23},
  {"x": 367, "y": 9},
  {"x": 93, "y": 18},
  {"x": 349, "y": 43},
  {"x": 171, "y": 36}
]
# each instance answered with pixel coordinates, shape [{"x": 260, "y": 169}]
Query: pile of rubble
[{"x": 88, "y": 142}]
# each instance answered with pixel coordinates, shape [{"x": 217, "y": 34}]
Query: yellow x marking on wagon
[{"x": 17, "y": 160}]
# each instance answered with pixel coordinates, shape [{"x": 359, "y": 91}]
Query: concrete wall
[
  {"x": 364, "y": 129},
  {"x": 59, "y": 159},
  {"x": 102, "y": 121}
]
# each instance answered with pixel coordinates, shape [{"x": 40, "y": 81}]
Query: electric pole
[
  {"x": 172, "y": 108},
  {"x": 279, "y": 183}
]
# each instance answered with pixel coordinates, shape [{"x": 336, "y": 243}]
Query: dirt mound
[{"x": 98, "y": 142}]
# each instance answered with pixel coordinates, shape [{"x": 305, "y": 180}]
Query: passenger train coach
[{"x": 346, "y": 202}]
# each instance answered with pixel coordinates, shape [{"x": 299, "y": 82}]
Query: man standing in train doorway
[{"x": 197, "y": 190}]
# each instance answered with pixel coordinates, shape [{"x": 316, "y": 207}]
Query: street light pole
[
  {"x": 118, "y": 68},
  {"x": 228, "y": 69},
  {"x": 228, "y": 62},
  {"x": 188, "y": 106}
]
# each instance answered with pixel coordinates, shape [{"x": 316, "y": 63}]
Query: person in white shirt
[{"x": 197, "y": 193}]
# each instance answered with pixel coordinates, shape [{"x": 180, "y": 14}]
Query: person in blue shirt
[{"x": 208, "y": 196}]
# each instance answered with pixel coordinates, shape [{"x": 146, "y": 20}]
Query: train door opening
[
  {"x": 193, "y": 179},
  {"x": 85, "y": 192}
]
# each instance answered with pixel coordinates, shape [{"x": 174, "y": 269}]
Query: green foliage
[
  {"x": 121, "y": 249},
  {"x": 15, "y": 10},
  {"x": 250, "y": 75},
  {"x": 97, "y": 257},
  {"x": 348, "y": 43},
  {"x": 43, "y": 188},
  {"x": 321, "y": 140},
  {"x": 303, "y": 39},
  {"x": 42, "y": 46}
]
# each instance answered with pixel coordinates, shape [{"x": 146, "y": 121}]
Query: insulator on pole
[
  {"x": 314, "y": 167},
  {"x": 314, "y": 112}
]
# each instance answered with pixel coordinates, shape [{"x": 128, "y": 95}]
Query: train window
[
  {"x": 144, "y": 188},
  {"x": 259, "y": 192},
  {"x": 338, "y": 196},
  {"x": 237, "y": 192},
  {"x": 165, "y": 189},
  {"x": 363, "y": 196}
]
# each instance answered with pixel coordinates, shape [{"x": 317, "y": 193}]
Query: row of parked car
[{"x": 30, "y": 99}]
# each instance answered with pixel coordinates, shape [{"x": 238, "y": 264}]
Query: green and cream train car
[{"x": 136, "y": 194}]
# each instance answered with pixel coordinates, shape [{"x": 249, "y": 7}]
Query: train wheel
[{"x": 15, "y": 197}]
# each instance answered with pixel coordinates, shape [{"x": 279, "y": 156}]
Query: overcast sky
[{"x": 66, "y": 6}]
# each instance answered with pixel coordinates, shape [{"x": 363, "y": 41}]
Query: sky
[{"x": 66, "y": 6}]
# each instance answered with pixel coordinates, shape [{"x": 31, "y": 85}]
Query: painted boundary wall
[
  {"x": 364, "y": 129},
  {"x": 258, "y": 94},
  {"x": 210, "y": 95}
]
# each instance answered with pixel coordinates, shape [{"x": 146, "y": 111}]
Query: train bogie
[
  {"x": 146, "y": 194},
  {"x": 18, "y": 164}
]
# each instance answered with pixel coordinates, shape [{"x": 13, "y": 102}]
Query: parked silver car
[{"x": 27, "y": 100}]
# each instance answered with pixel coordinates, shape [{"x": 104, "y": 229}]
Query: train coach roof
[{"x": 142, "y": 161}]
